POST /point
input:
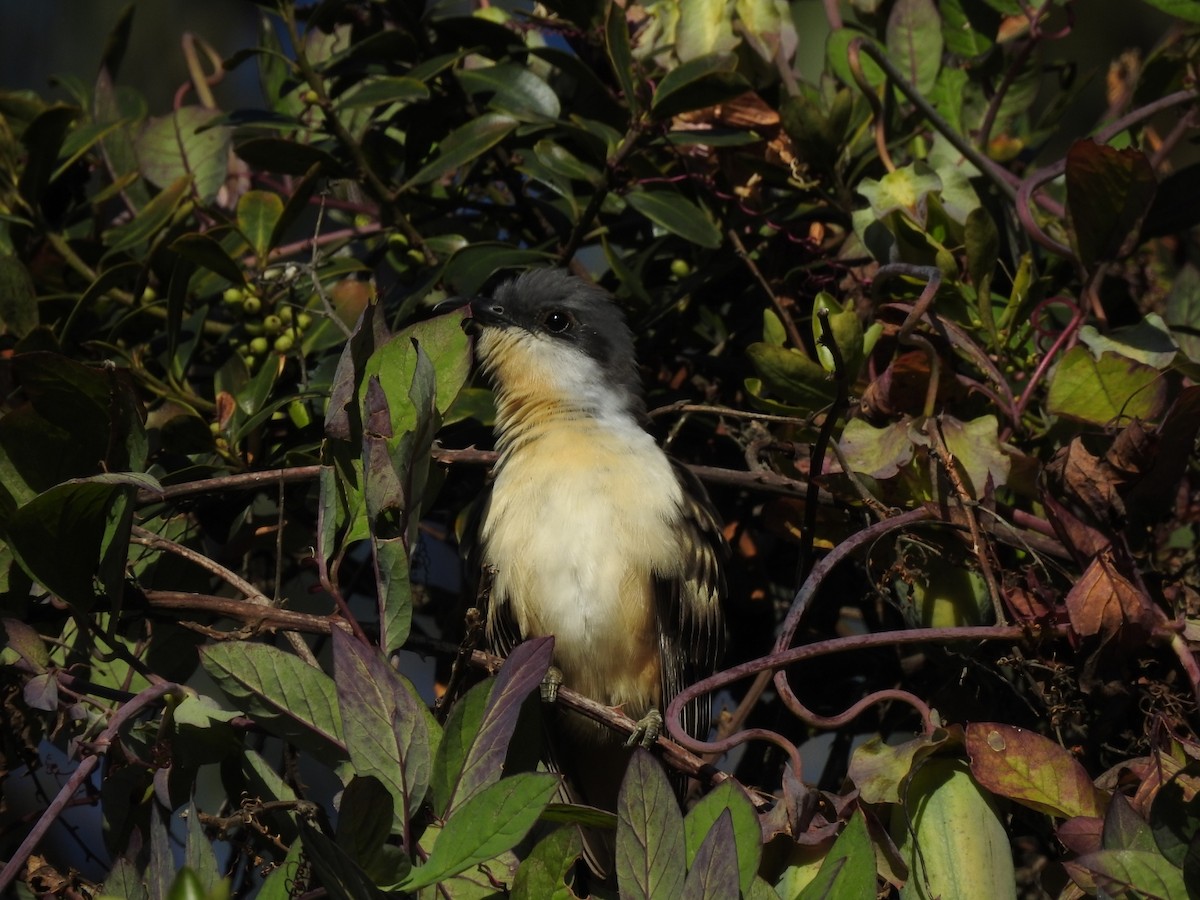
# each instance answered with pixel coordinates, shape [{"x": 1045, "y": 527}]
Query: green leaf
[
  {"x": 879, "y": 770},
  {"x": 152, "y": 218},
  {"x": 281, "y": 692},
  {"x": 515, "y": 90},
  {"x": 914, "y": 42},
  {"x": 171, "y": 148},
  {"x": 341, "y": 876},
  {"x": 278, "y": 885},
  {"x": 1180, "y": 9},
  {"x": 746, "y": 835},
  {"x": 1175, "y": 816},
  {"x": 199, "y": 857},
  {"x": 1107, "y": 390},
  {"x": 969, "y": 29},
  {"x": 463, "y": 145},
  {"x": 905, "y": 189},
  {"x": 1030, "y": 769},
  {"x": 1109, "y": 192},
  {"x": 543, "y": 873},
  {"x": 43, "y": 139},
  {"x": 651, "y": 849},
  {"x": 1148, "y": 341},
  {"x": 616, "y": 42},
  {"x": 952, "y": 837},
  {"x": 1183, "y": 310},
  {"x": 848, "y": 870},
  {"x": 204, "y": 251},
  {"x": 68, "y": 515},
  {"x": 384, "y": 89},
  {"x": 491, "y": 822},
  {"x": 698, "y": 84},
  {"x": 257, "y": 214},
  {"x": 678, "y": 215},
  {"x": 792, "y": 375},
  {"x": 837, "y": 55},
  {"x": 975, "y": 446},
  {"x": 18, "y": 298},
  {"x": 705, "y": 27},
  {"x": 1136, "y": 873}
]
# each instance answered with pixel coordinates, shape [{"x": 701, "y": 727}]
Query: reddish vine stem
[{"x": 782, "y": 659}]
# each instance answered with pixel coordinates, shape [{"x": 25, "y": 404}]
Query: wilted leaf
[
  {"x": 1030, "y": 769},
  {"x": 705, "y": 26},
  {"x": 1109, "y": 192},
  {"x": 877, "y": 452},
  {"x": 975, "y": 446},
  {"x": 1104, "y": 602},
  {"x": 1104, "y": 390}
]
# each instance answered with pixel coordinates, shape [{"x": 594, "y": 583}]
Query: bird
[{"x": 589, "y": 531}]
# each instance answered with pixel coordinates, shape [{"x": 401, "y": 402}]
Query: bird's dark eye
[{"x": 556, "y": 321}]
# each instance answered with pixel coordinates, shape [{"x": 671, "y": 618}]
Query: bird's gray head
[{"x": 549, "y": 331}]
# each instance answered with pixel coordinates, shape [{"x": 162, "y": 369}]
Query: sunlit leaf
[
  {"x": 257, "y": 214},
  {"x": 173, "y": 147},
  {"x": 1030, "y": 769},
  {"x": 650, "y": 841},
  {"x": 676, "y": 214},
  {"x": 1107, "y": 390}
]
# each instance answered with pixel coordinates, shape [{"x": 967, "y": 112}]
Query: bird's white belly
[{"x": 577, "y": 528}]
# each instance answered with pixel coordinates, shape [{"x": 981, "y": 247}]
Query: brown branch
[{"x": 269, "y": 617}]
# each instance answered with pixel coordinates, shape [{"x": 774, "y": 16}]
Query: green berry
[
  {"x": 303, "y": 321},
  {"x": 252, "y": 306},
  {"x": 234, "y": 296},
  {"x": 680, "y": 268},
  {"x": 259, "y": 345},
  {"x": 272, "y": 324},
  {"x": 284, "y": 343},
  {"x": 285, "y": 313}
]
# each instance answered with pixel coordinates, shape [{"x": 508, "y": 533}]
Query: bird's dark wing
[{"x": 691, "y": 623}]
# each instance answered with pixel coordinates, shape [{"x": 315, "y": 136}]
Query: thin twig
[{"x": 81, "y": 775}]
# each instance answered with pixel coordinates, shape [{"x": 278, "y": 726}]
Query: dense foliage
[{"x": 934, "y": 353}]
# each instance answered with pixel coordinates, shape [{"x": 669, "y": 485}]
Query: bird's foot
[
  {"x": 551, "y": 684},
  {"x": 649, "y": 727}
]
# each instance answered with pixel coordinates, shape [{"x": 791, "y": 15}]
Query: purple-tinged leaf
[
  {"x": 521, "y": 673},
  {"x": 1109, "y": 192},
  {"x": 728, "y": 796},
  {"x": 41, "y": 692},
  {"x": 714, "y": 872},
  {"x": 386, "y": 729},
  {"x": 651, "y": 848}
]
